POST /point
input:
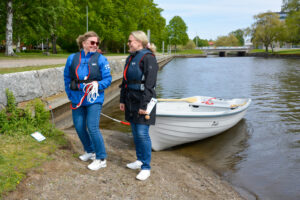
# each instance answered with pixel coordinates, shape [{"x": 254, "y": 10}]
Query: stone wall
[
  {"x": 42, "y": 83},
  {"x": 46, "y": 83}
]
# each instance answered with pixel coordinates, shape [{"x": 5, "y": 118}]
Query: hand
[
  {"x": 122, "y": 106},
  {"x": 142, "y": 112}
]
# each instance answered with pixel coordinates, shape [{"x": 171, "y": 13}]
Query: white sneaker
[
  {"x": 85, "y": 157},
  {"x": 97, "y": 164},
  {"x": 135, "y": 165},
  {"x": 143, "y": 175}
]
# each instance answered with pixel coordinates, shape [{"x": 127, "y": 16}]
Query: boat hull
[{"x": 175, "y": 130}]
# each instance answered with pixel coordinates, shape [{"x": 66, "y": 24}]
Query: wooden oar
[{"x": 189, "y": 100}]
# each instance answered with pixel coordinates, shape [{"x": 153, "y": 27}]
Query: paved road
[{"x": 12, "y": 63}]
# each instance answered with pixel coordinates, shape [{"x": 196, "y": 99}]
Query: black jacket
[{"x": 134, "y": 99}]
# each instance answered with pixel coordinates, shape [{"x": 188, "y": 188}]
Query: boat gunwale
[{"x": 243, "y": 108}]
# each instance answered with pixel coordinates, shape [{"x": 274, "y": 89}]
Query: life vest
[
  {"x": 94, "y": 72},
  {"x": 133, "y": 74}
]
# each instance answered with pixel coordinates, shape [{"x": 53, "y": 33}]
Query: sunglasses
[{"x": 94, "y": 43}]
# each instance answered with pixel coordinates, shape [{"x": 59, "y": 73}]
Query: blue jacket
[{"x": 83, "y": 71}]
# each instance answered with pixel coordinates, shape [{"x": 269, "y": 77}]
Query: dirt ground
[{"x": 172, "y": 176}]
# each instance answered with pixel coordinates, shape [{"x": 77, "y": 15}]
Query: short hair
[{"x": 81, "y": 38}]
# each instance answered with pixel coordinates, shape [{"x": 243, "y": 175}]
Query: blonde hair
[
  {"x": 84, "y": 37},
  {"x": 141, "y": 36}
]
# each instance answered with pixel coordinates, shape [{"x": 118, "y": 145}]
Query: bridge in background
[{"x": 223, "y": 51}]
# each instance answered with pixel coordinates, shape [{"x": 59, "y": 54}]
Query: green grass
[
  {"x": 28, "y": 68},
  {"x": 286, "y": 51},
  {"x": 18, "y": 155},
  {"x": 41, "y": 55},
  {"x": 19, "y": 152},
  {"x": 33, "y": 56},
  {"x": 192, "y": 51}
]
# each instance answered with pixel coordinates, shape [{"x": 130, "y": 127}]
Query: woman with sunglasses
[
  {"x": 137, "y": 89},
  {"x": 86, "y": 75}
]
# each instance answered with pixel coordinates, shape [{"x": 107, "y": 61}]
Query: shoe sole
[
  {"x": 133, "y": 167},
  {"x": 143, "y": 178},
  {"x": 103, "y": 166},
  {"x": 85, "y": 160}
]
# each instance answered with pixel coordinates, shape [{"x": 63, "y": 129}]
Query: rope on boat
[{"x": 116, "y": 120}]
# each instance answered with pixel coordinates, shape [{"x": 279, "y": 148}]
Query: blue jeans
[
  {"x": 86, "y": 121},
  {"x": 142, "y": 143}
]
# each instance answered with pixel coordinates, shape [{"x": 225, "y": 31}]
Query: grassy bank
[
  {"x": 285, "y": 51},
  {"x": 191, "y": 51},
  {"x": 19, "y": 152},
  {"x": 40, "y": 55},
  {"x": 28, "y": 68}
]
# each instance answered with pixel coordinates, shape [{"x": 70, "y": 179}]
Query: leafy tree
[
  {"x": 267, "y": 29},
  {"x": 176, "y": 31},
  {"x": 200, "y": 42},
  {"x": 292, "y": 7},
  {"x": 189, "y": 45},
  {"x": 239, "y": 34},
  {"x": 229, "y": 40}
]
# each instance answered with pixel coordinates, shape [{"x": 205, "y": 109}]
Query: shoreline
[{"x": 172, "y": 176}]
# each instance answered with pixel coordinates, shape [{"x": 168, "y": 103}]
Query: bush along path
[{"x": 19, "y": 151}]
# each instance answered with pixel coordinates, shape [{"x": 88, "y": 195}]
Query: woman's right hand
[{"x": 122, "y": 106}]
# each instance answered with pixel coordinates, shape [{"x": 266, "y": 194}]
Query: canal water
[{"x": 261, "y": 154}]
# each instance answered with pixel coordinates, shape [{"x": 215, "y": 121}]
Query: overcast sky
[{"x": 212, "y": 18}]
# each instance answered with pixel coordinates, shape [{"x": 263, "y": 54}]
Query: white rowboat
[{"x": 180, "y": 121}]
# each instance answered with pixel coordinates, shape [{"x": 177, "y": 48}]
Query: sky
[{"x": 212, "y": 18}]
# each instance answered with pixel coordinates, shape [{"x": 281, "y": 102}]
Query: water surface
[{"x": 262, "y": 152}]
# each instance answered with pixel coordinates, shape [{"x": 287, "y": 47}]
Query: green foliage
[
  {"x": 35, "y": 21},
  {"x": 239, "y": 34},
  {"x": 16, "y": 121},
  {"x": 229, "y": 40},
  {"x": 267, "y": 29},
  {"x": 19, "y": 152},
  {"x": 189, "y": 45},
  {"x": 200, "y": 42},
  {"x": 176, "y": 31}
]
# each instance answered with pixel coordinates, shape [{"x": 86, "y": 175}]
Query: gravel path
[{"x": 172, "y": 176}]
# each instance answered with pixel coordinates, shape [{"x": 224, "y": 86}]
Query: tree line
[
  {"x": 61, "y": 21},
  {"x": 32, "y": 22}
]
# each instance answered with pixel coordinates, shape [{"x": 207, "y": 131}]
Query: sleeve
[
  {"x": 150, "y": 67},
  {"x": 122, "y": 86},
  {"x": 67, "y": 78},
  {"x": 105, "y": 71},
  {"x": 122, "y": 92}
]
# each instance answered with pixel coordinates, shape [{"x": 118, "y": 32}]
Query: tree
[
  {"x": 267, "y": 29},
  {"x": 229, "y": 40},
  {"x": 292, "y": 7},
  {"x": 9, "y": 30},
  {"x": 239, "y": 34},
  {"x": 176, "y": 31},
  {"x": 200, "y": 42}
]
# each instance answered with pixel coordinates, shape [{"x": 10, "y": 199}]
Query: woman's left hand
[{"x": 142, "y": 112}]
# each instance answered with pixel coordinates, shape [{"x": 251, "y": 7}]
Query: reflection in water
[
  {"x": 221, "y": 152},
  {"x": 262, "y": 152}
]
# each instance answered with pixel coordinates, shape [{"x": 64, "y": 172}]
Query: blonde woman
[
  {"x": 88, "y": 71},
  {"x": 137, "y": 89}
]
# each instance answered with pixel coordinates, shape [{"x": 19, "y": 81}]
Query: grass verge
[
  {"x": 192, "y": 51},
  {"x": 28, "y": 68},
  {"x": 19, "y": 152}
]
